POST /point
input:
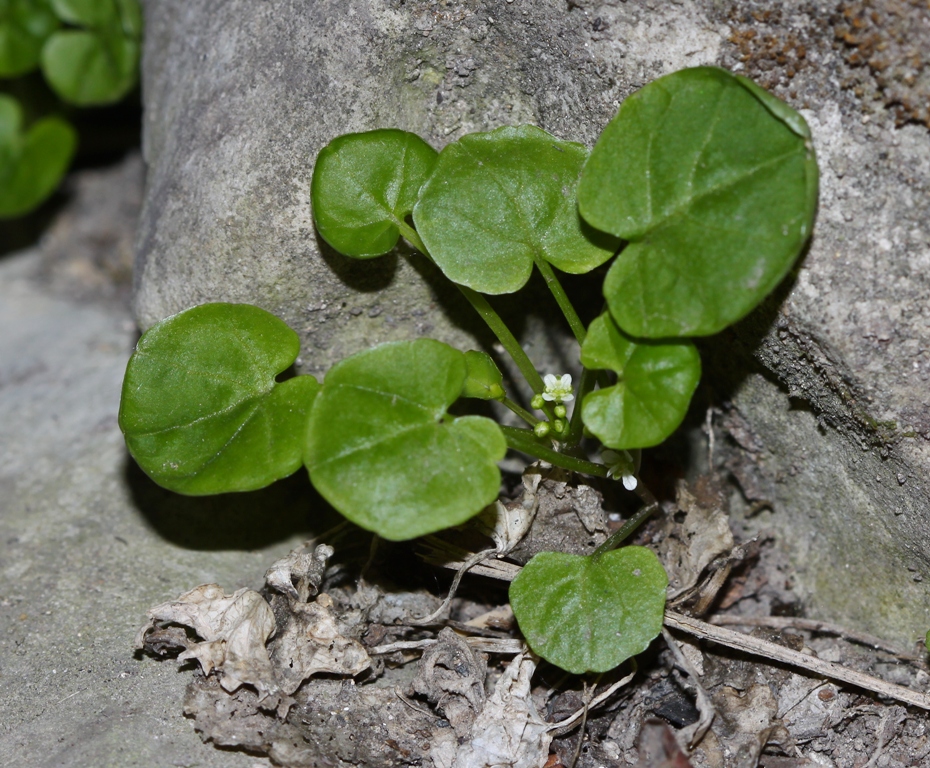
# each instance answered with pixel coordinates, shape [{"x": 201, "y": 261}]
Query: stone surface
[
  {"x": 830, "y": 391},
  {"x": 87, "y": 544}
]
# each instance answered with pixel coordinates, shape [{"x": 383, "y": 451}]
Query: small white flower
[
  {"x": 558, "y": 388},
  {"x": 620, "y": 463}
]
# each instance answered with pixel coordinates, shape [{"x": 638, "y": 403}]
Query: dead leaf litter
[{"x": 324, "y": 667}]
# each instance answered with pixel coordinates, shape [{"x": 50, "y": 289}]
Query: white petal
[
  {"x": 629, "y": 482},
  {"x": 568, "y": 398},
  {"x": 566, "y": 380},
  {"x": 549, "y": 380}
]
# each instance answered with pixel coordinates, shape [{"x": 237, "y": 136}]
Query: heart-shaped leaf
[
  {"x": 364, "y": 186},
  {"x": 498, "y": 201},
  {"x": 24, "y": 27},
  {"x": 483, "y": 379},
  {"x": 590, "y": 613},
  {"x": 382, "y": 449},
  {"x": 654, "y": 387},
  {"x": 31, "y": 163},
  {"x": 99, "y": 62},
  {"x": 201, "y": 410},
  {"x": 714, "y": 184}
]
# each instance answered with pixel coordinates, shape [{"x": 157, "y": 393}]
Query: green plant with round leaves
[
  {"x": 383, "y": 450},
  {"x": 91, "y": 60},
  {"x": 96, "y": 60},
  {"x": 590, "y": 613},
  {"x": 32, "y": 162},
  {"x": 218, "y": 420},
  {"x": 25, "y": 25},
  {"x": 364, "y": 186},
  {"x": 499, "y": 202},
  {"x": 653, "y": 390},
  {"x": 712, "y": 184}
]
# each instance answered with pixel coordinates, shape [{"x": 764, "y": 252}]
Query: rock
[{"x": 830, "y": 388}]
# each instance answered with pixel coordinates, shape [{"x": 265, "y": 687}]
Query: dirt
[{"x": 426, "y": 696}]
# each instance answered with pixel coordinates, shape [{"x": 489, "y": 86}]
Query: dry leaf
[
  {"x": 300, "y": 573},
  {"x": 508, "y": 731},
  {"x": 311, "y": 643},
  {"x": 234, "y": 629},
  {"x": 702, "y": 537}
]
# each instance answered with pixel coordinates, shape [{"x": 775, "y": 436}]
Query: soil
[{"x": 427, "y": 686}]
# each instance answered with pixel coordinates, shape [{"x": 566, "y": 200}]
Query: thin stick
[
  {"x": 564, "y": 726},
  {"x": 811, "y": 625},
  {"x": 695, "y": 732},
  {"x": 775, "y": 652},
  {"x": 469, "y": 563},
  {"x": 505, "y": 645}
]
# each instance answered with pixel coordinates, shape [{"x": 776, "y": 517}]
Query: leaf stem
[
  {"x": 650, "y": 505},
  {"x": 525, "y": 441},
  {"x": 494, "y": 322},
  {"x": 412, "y": 237},
  {"x": 524, "y": 414},
  {"x": 505, "y": 337},
  {"x": 561, "y": 298},
  {"x": 576, "y": 426}
]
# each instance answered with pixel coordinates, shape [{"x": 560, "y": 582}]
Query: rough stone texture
[
  {"x": 88, "y": 544},
  {"x": 832, "y": 412}
]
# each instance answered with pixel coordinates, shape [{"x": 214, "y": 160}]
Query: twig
[
  {"x": 504, "y": 645},
  {"x": 693, "y": 733},
  {"x": 812, "y": 625},
  {"x": 564, "y": 726},
  {"x": 474, "y": 560},
  {"x": 775, "y": 652},
  {"x": 873, "y": 761}
]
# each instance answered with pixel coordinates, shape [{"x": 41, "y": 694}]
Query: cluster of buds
[
  {"x": 559, "y": 391},
  {"x": 620, "y": 464}
]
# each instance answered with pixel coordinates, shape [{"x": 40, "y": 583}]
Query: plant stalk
[
  {"x": 576, "y": 426},
  {"x": 524, "y": 414},
  {"x": 494, "y": 322},
  {"x": 561, "y": 298},
  {"x": 525, "y": 441},
  {"x": 616, "y": 538}
]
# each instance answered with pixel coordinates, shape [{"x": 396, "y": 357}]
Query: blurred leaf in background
[{"x": 88, "y": 53}]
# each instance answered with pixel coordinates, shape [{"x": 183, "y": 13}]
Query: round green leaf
[
  {"x": 32, "y": 164},
  {"x": 382, "y": 449},
  {"x": 364, "y": 186},
  {"x": 590, "y": 613},
  {"x": 654, "y": 387},
  {"x": 498, "y": 201},
  {"x": 88, "y": 67},
  {"x": 24, "y": 27},
  {"x": 201, "y": 410},
  {"x": 714, "y": 184},
  {"x": 483, "y": 379}
]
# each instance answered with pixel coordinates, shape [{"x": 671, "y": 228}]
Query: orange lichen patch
[
  {"x": 775, "y": 56},
  {"x": 892, "y": 39}
]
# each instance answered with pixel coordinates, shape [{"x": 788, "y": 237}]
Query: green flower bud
[
  {"x": 560, "y": 411},
  {"x": 541, "y": 429},
  {"x": 537, "y": 402}
]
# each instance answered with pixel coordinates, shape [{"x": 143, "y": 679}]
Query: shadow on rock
[{"x": 231, "y": 521}]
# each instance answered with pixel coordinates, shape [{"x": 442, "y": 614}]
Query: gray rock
[
  {"x": 239, "y": 99},
  {"x": 88, "y": 544}
]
